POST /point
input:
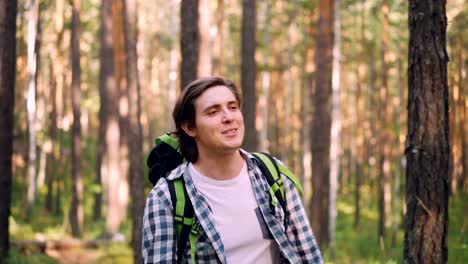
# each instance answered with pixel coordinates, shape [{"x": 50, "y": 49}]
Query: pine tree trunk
[
  {"x": 218, "y": 42},
  {"x": 33, "y": 16},
  {"x": 111, "y": 112},
  {"x": 360, "y": 132},
  {"x": 321, "y": 123},
  {"x": 8, "y": 9},
  {"x": 427, "y": 144},
  {"x": 51, "y": 158},
  {"x": 335, "y": 128},
  {"x": 122, "y": 102},
  {"x": 266, "y": 79},
  {"x": 384, "y": 135},
  {"x": 462, "y": 122},
  {"x": 248, "y": 73},
  {"x": 137, "y": 185},
  {"x": 189, "y": 41},
  {"x": 76, "y": 208},
  {"x": 204, "y": 25},
  {"x": 56, "y": 90}
]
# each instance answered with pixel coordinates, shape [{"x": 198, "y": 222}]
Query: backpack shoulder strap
[
  {"x": 272, "y": 171},
  {"x": 184, "y": 217}
]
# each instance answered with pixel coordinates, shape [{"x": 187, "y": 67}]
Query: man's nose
[{"x": 227, "y": 115}]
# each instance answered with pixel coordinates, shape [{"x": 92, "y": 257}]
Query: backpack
[{"x": 166, "y": 156}]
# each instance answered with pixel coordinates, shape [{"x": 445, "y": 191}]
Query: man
[{"x": 227, "y": 189}]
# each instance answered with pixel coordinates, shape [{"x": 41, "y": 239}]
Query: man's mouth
[{"x": 230, "y": 131}]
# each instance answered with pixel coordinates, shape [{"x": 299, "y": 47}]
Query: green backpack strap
[
  {"x": 168, "y": 139},
  {"x": 184, "y": 218},
  {"x": 272, "y": 170}
]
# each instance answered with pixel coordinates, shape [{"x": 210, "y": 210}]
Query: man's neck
[{"x": 220, "y": 167}]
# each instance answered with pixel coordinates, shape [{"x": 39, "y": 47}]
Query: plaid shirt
[{"x": 294, "y": 236}]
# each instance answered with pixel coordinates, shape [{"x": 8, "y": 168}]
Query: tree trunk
[
  {"x": 204, "y": 25},
  {"x": 321, "y": 123},
  {"x": 360, "y": 121},
  {"x": 248, "y": 72},
  {"x": 51, "y": 158},
  {"x": 462, "y": 122},
  {"x": 384, "y": 139},
  {"x": 137, "y": 185},
  {"x": 111, "y": 113},
  {"x": 218, "y": 42},
  {"x": 427, "y": 144},
  {"x": 33, "y": 16},
  {"x": 76, "y": 208},
  {"x": 189, "y": 41},
  {"x": 266, "y": 80},
  {"x": 122, "y": 103},
  {"x": 396, "y": 212},
  {"x": 8, "y": 9},
  {"x": 56, "y": 90},
  {"x": 335, "y": 128}
]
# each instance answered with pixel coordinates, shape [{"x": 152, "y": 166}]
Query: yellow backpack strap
[
  {"x": 288, "y": 173},
  {"x": 273, "y": 171}
]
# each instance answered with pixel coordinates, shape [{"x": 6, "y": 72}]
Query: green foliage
[{"x": 15, "y": 257}]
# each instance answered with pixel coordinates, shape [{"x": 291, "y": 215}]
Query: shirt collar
[{"x": 178, "y": 172}]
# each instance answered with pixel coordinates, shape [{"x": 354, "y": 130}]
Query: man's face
[{"x": 219, "y": 124}]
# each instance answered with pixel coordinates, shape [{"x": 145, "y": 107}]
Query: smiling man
[{"x": 229, "y": 193}]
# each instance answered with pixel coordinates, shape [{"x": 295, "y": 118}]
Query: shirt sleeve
[
  {"x": 158, "y": 245},
  {"x": 298, "y": 228}
]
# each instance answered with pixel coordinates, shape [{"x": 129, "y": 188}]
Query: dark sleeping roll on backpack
[{"x": 163, "y": 158}]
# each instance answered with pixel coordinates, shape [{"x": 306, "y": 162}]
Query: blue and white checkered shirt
[{"x": 295, "y": 239}]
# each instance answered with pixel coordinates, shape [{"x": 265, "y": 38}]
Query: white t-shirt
[{"x": 237, "y": 217}]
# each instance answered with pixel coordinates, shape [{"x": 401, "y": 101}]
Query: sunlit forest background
[{"x": 94, "y": 79}]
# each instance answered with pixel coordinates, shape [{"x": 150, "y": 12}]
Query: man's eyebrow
[
  {"x": 211, "y": 106},
  {"x": 215, "y": 105}
]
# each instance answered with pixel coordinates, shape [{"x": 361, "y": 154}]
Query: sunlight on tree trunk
[
  {"x": 335, "y": 128},
  {"x": 32, "y": 15}
]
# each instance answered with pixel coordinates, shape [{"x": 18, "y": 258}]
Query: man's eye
[
  {"x": 212, "y": 112},
  {"x": 234, "y": 107}
]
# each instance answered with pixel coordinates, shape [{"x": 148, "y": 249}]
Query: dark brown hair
[{"x": 184, "y": 111}]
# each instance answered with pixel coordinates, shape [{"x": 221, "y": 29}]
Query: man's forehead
[{"x": 215, "y": 95}]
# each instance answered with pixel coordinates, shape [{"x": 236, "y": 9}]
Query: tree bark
[
  {"x": 462, "y": 122},
  {"x": 111, "y": 113},
  {"x": 266, "y": 80},
  {"x": 248, "y": 73},
  {"x": 360, "y": 119},
  {"x": 51, "y": 158},
  {"x": 56, "y": 90},
  {"x": 427, "y": 145},
  {"x": 122, "y": 103},
  {"x": 33, "y": 17},
  {"x": 218, "y": 42},
  {"x": 189, "y": 41},
  {"x": 204, "y": 25},
  {"x": 321, "y": 123},
  {"x": 384, "y": 133},
  {"x": 335, "y": 128},
  {"x": 8, "y": 10},
  {"x": 137, "y": 185},
  {"x": 76, "y": 208}
]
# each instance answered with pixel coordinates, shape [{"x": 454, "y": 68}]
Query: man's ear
[{"x": 188, "y": 129}]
